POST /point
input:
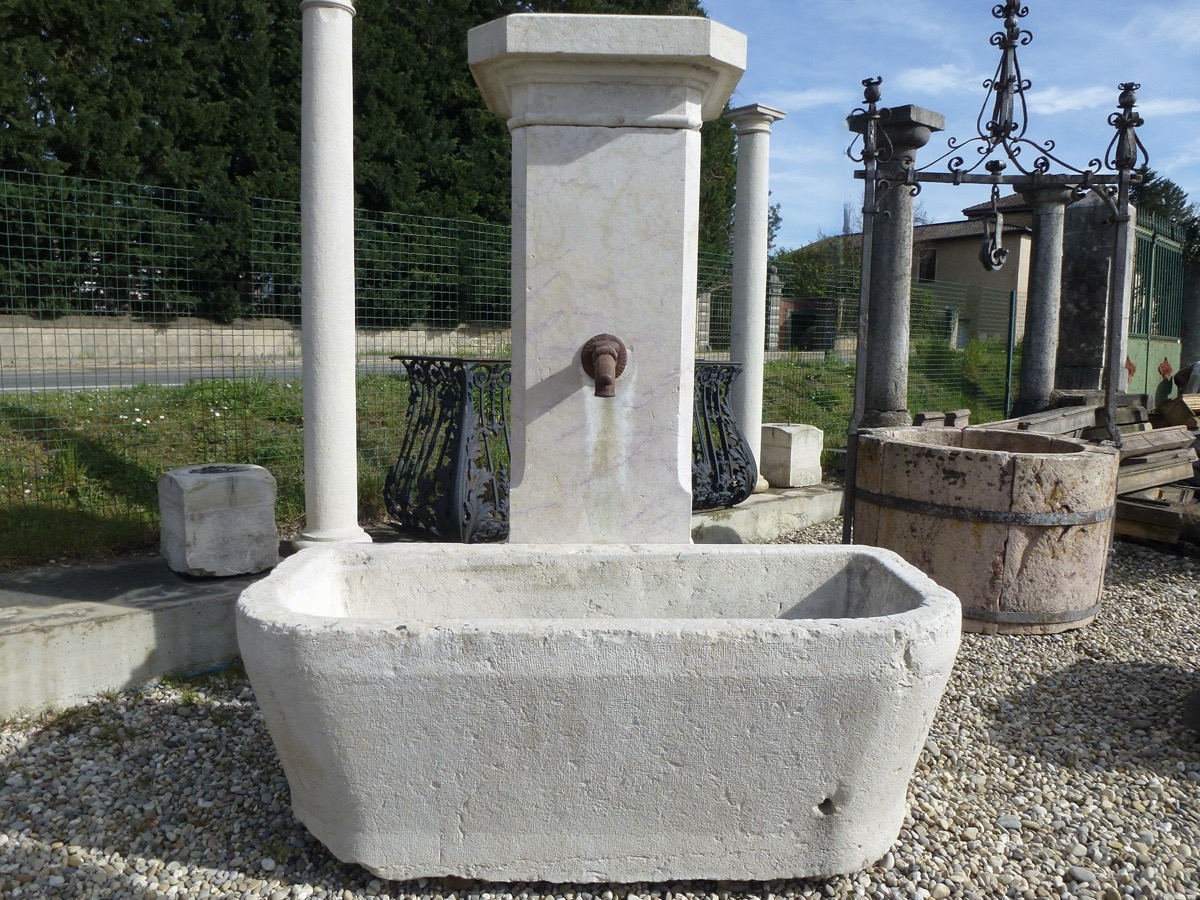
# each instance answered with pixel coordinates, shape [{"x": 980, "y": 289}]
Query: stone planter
[
  {"x": 1016, "y": 524},
  {"x": 598, "y": 713}
]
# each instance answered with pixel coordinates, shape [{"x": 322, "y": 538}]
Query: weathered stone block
[
  {"x": 218, "y": 519},
  {"x": 791, "y": 455}
]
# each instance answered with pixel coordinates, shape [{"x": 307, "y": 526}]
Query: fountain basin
[
  {"x": 1016, "y": 524},
  {"x": 597, "y": 713}
]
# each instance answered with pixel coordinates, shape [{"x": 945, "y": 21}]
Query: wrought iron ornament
[
  {"x": 451, "y": 477},
  {"x": 724, "y": 471},
  {"x": 1000, "y": 139}
]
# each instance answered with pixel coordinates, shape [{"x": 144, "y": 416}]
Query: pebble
[
  {"x": 1082, "y": 875},
  {"x": 1033, "y": 783}
]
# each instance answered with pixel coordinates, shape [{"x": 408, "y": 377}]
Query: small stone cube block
[
  {"x": 218, "y": 519},
  {"x": 791, "y": 455}
]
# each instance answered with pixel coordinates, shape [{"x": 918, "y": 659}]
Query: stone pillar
[
  {"x": 908, "y": 128},
  {"x": 1089, "y": 234},
  {"x": 327, "y": 274},
  {"x": 748, "y": 318},
  {"x": 605, "y": 115},
  {"x": 1189, "y": 341},
  {"x": 704, "y": 321},
  {"x": 774, "y": 302},
  {"x": 1039, "y": 355}
]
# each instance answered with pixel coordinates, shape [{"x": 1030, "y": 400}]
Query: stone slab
[
  {"x": 68, "y": 633},
  {"x": 764, "y": 517}
]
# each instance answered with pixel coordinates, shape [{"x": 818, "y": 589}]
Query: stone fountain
[{"x": 599, "y": 700}]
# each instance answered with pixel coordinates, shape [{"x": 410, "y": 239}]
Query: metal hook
[{"x": 992, "y": 254}]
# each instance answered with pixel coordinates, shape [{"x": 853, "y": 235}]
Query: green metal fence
[
  {"x": 1156, "y": 314},
  {"x": 143, "y": 329}
]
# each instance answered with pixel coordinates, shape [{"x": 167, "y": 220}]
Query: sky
[{"x": 808, "y": 58}]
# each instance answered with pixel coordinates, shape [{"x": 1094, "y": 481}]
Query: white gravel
[{"x": 1057, "y": 767}]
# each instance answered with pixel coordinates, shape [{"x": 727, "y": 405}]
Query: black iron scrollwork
[
  {"x": 1005, "y": 128},
  {"x": 1001, "y": 131},
  {"x": 451, "y": 477},
  {"x": 1122, "y": 153},
  {"x": 724, "y": 470}
]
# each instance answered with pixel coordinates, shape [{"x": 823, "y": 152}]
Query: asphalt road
[{"x": 80, "y": 377}]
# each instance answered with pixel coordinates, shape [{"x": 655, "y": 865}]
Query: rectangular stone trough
[{"x": 589, "y": 713}]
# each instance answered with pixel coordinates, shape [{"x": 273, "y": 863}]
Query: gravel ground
[{"x": 1057, "y": 766}]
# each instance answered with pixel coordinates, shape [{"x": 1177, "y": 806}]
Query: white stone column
[
  {"x": 327, "y": 274},
  {"x": 748, "y": 322},
  {"x": 605, "y": 115}
]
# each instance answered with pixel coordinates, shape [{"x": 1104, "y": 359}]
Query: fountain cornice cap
[
  {"x": 754, "y": 117},
  {"x": 1036, "y": 190},
  {"x": 907, "y": 127},
  {"x": 344, "y": 5},
  {"x": 651, "y": 71}
]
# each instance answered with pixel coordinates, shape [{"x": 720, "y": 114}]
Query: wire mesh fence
[
  {"x": 143, "y": 329},
  {"x": 959, "y": 344}
]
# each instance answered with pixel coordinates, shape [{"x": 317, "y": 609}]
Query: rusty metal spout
[{"x": 604, "y": 358}]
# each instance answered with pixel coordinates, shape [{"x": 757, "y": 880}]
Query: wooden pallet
[
  {"x": 1182, "y": 410},
  {"x": 1155, "y": 469},
  {"x": 1148, "y": 520},
  {"x": 1157, "y": 440}
]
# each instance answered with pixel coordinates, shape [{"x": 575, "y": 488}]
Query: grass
[
  {"x": 79, "y": 470},
  {"x": 939, "y": 378}
]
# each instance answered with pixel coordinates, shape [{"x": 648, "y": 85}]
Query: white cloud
[
  {"x": 944, "y": 79},
  {"x": 794, "y": 101},
  {"x": 1176, "y": 27},
  {"x": 1176, "y": 106},
  {"x": 1047, "y": 101}
]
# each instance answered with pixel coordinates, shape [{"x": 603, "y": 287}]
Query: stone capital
[
  {"x": 754, "y": 118},
  {"x": 345, "y": 5},
  {"x": 606, "y": 71},
  {"x": 908, "y": 127},
  {"x": 1037, "y": 192}
]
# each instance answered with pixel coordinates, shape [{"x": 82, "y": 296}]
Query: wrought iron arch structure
[{"x": 999, "y": 141}]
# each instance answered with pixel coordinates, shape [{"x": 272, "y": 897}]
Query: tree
[
  {"x": 204, "y": 96},
  {"x": 1159, "y": 196}
]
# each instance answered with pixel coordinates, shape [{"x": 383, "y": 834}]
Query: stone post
[
  {"x": 327, "y": 274},
  {"x": 1189, "y": 341},
  {"x": 774, "y": 302},
  {"x": 908, "y": 128},
  {"x": 1039, "y": 355},
  {"x": 1087, "y": 256},
  {"x": 748, "y": 317},
  {"x": 605, "y": 115}
]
